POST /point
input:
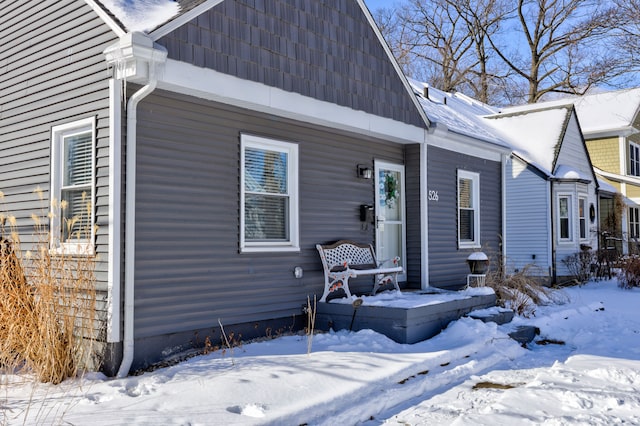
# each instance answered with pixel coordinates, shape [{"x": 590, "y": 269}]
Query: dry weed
[
  {"x": 47, "y": 306},
  {"x": 520, "y": 291}
]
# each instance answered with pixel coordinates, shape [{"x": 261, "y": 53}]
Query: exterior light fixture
[{"x": 364, "y": 172}]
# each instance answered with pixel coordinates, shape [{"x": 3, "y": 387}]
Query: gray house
[
  {"x": 463, "y": 198},
  {"x": 219, "y": 144},
  {"x": 219, "y": 141}
]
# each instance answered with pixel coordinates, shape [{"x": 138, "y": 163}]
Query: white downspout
[
  {"x": 130, "y": 222},
  {"x": 137, "y": 59}
]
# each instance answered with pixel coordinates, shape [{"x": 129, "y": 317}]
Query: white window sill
[
  {"x": 78, "y": 249},
  {"x": 269, "y": 249},
  {"x": 467, "y": 245}
]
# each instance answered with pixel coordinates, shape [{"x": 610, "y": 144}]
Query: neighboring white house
[{"x": 551, "y": 189}]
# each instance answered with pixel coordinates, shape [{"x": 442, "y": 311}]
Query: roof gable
[
  {"x": 536, "y": 136},
  {"x": 598, "y": 112},
  {"x": 327, "y": 50}
]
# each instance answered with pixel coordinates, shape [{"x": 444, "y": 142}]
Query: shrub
[
  {"x": 47, "y": 306},
  {"x": 519, "y": 291},
  {"x": 579, "y": 265},
  {"x": 629, "y": 275}
]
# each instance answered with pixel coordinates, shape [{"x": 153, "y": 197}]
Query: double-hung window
[
  {"x": 468, "y": 209},
  {"x": 634, "y": 159},
  {"x": 269, "y": 195},
  {"x": 72, "y": 186},
  {"x": 634, "y": 222},
  {"x": 564, "y": 218},
  {"x": 582, "y": 215}
]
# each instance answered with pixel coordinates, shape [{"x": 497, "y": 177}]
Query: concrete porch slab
[{"x": 405, "y": 317}]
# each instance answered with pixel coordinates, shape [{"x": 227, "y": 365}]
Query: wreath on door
[{"x": 391, "y": 191}]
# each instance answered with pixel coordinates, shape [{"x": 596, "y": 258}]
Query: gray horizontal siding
[
  {"x": 189, "y": 272},
  {"x": 325, "y": 50},
  {"x": 52, "y": 71},
  {"x": 447, "y": 263}
]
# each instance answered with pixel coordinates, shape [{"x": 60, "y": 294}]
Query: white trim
[
  {"x": 570, "y": 217},
  {"x": 475, "y": 179},
  {"x": 208, "y": 84},
  {"x": 399, "y": 168},
  {"x": 106, "y": 18},
  {"x": 114, "y": 325},
  {"x": 424, "y": 218},
  {"x": 73, "y": 247},
  {"x": 445, "y": 139},
  {"x": 182, "y": 19},
  {"x": 623, "y": 153},
  {"x": 506, "y": 161},
  {"x": 291, "y": 149},
  {"x": 583, "y": 197}
]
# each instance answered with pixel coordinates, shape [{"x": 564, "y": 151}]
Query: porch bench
[{"x": 346, "y": 259}]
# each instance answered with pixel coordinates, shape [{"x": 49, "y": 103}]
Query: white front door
[{"x": 390, "y": 214}]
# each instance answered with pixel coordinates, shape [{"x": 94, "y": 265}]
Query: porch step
[{"x": 494, "y": 314}]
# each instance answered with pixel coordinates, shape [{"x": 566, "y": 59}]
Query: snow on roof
[
  {"x": 142, "y": 15},
  {"x": 597, "y": 112},
  {"x": 534, "y": 135},
  {"x": 459, "y": 113}
]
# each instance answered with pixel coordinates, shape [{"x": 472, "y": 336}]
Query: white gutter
[
  {"x": 506, "y": 160},
  {"x": 136, "y": 59}
]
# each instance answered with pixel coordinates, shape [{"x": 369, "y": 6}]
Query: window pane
[
  {"x": 465, "y": 187},
  {"x": 564, "y": 228},
  {"x": 564, "y": 207},
  {"x": 466, "y": 225},
  {"x": 583, "y": 218},
  {"x": 75, "y": 216},
  {"x": 265, "y": 171},
  {"x": 77, "y": 159},
  {"x": 266, "y": 218}
]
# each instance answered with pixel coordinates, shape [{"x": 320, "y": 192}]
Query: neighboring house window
[
  {"x": 634, "y": 222},
  {"x": 634, "y": 159},
  {"x": 582, "y": 214},
  {"x": 468, "y": 209},
  {"x": 72, "y": 186},
  {"x": 269, "y": 195},
  {"x": 564, "y": 217}
]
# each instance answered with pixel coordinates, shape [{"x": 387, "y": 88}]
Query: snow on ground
[{"x": 470, "y": 374}]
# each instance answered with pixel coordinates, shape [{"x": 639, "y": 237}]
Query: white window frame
[
  {"x": 582, "y": 217},
  {"x": 80, "y": 246},
  {"x": 291, "y": 149},
  {"x": 569, "y": 217},
  {"x": 634, "y": 159},
  {"x": 475, "y": 194},
  {"x": 634, "y": 222}
]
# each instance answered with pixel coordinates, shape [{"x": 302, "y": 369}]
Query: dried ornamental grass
[{"x": 47, "y": 306}]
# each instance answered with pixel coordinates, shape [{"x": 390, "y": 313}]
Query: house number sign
[{"x": 433, "y": 195}]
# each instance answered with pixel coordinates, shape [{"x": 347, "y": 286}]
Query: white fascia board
[
  {"x": 208, "y": 84},
  {"x": 466, "y": 145},
  {"x": 183, "y": 19},
  {"x": 607, "y": 133},
  {"x": 106, "y": 18}
]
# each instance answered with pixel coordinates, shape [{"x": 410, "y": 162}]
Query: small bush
[
  {"x": 579, "y": 265},
  {"x": 519, "y": 291},
  {"x": 629, "y": 275},
  {"x": 47, "y": 306}
]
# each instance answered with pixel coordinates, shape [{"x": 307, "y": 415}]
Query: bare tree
[
  {"x": 563, "y": 50},
  {"x": 503, "y": 51}
]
